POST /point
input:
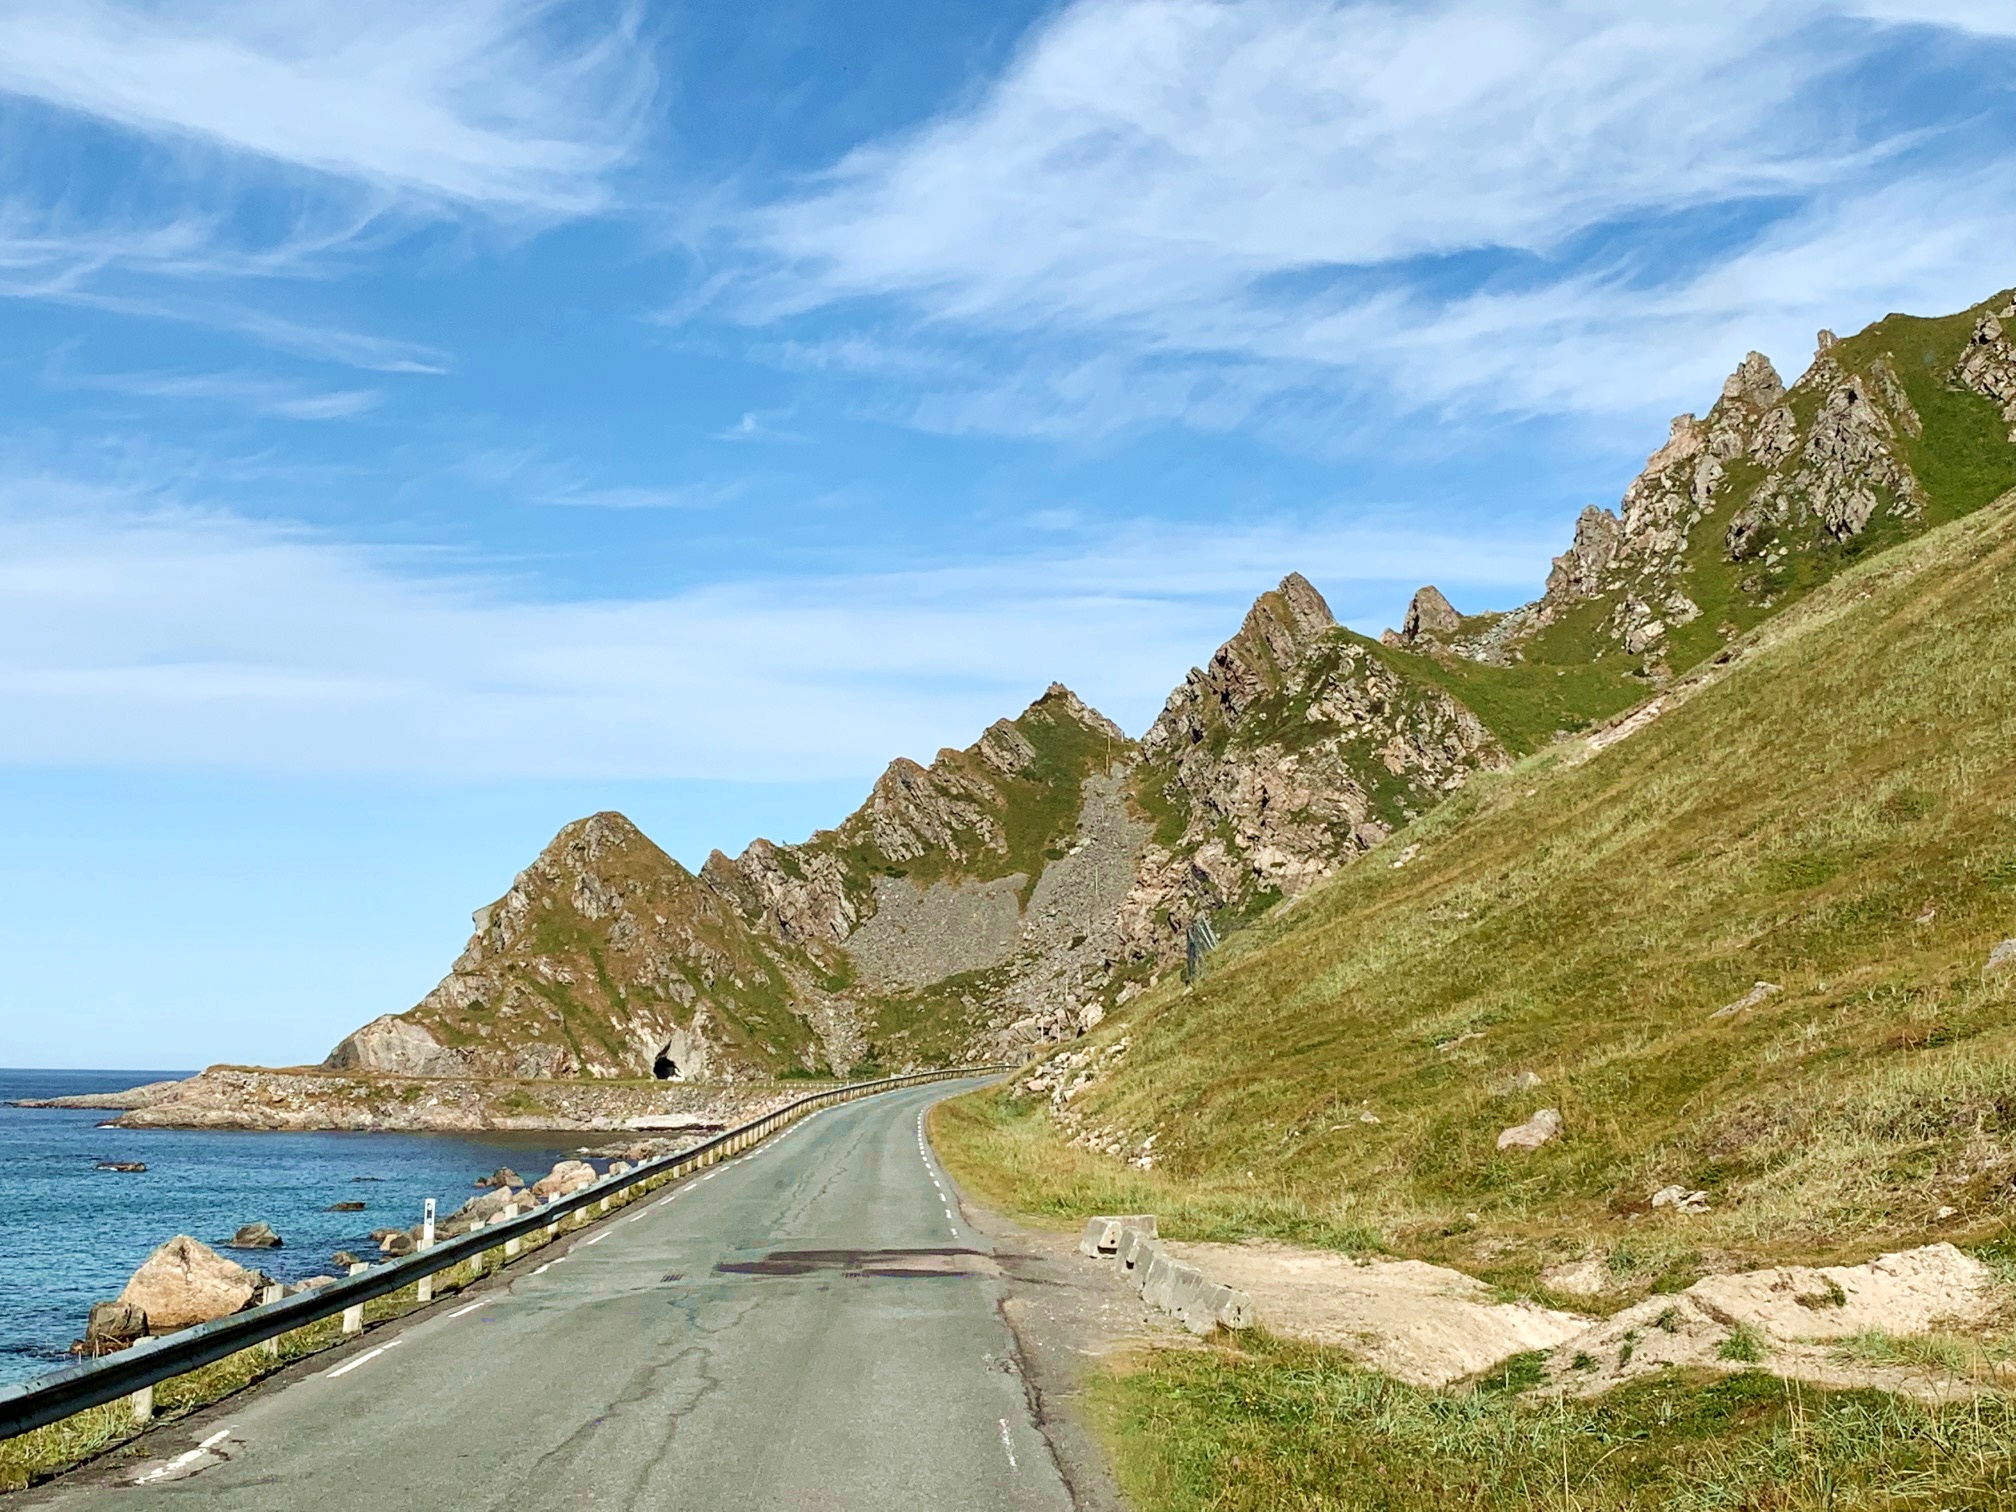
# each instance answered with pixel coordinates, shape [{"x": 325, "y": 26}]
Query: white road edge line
[
  {"x": 363, "y": 1359},
  {"x": 463, "y": 1312},
  {"x": 1008, "y": 1444}
]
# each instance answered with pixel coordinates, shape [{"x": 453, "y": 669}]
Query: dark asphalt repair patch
[{"x": 899, "y": 1263}]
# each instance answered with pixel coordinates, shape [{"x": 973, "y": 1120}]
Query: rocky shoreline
[{"x": 309, "y": 1101}]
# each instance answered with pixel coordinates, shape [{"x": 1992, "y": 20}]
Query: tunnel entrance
[{"x": 665, "y": 1068}]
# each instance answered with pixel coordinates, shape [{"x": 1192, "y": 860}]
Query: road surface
[{"x": 810, "y": 1326}]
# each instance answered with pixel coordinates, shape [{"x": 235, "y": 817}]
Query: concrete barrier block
[
  {"x": 1136, "y": 1247},
  {"x": 1104, "y": 1234},
  {"x": 1101, "y": 1236},
  {"x": 1155, "y": 1278},
  {"x": 1236, "y": 1310}
]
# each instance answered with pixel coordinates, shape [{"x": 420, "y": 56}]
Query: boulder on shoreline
[
  {"x": 565, "y": 1179},
  {"x": 503, "y": 1176},
  {"x": 255, "y": 1236},
  {"x": 185, "y": 1282},
  {"x": 345, "y": 1259},
  {"x": 112, "y": 1326}
]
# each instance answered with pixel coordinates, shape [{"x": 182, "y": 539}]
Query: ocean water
[{"x": 71, "y": 1235}]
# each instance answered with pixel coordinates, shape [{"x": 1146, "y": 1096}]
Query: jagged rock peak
[
  {"x": 1058, "y": 699},
  {"x": 1284, "y": 625},
  {"x": 1281, "y": 631},
  {"x": 1755, "y": 380},
  {"x": 586, "y": 841},
  {"x": 1429, "y": 614}
]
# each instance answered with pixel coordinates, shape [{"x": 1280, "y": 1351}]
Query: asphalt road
[{"x": 810, "y": 1326}]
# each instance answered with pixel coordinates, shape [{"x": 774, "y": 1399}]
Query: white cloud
[
  {"x": 473, "y": 101},
  {"x": 1184, "y": 208},
  {"x": 256, "y": 392},
  {"x": 133, "y": 634}
]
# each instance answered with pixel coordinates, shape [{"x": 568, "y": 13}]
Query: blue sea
[{"x": 71, "y": 1235}]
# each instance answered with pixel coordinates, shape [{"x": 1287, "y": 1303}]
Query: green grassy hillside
[{"x": 1834, "y": 814}]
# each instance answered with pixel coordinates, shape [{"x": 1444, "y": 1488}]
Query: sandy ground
[{"x": 1426, "y": 1324}]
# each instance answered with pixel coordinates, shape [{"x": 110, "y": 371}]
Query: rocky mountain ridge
[{"x": 1013, "y": 892}]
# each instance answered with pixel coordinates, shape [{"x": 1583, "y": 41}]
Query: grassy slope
[
  {"x": 1790, "y": 823},
  {"x": 1853, "y": 774}
]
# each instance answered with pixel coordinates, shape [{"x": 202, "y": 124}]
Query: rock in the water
[
  {"x": 255, "y": 1236},
  {"x": 112, "y": 1326},
  {"x": 396, "y": 1244},
  {"x": 2002, "y": 957},
  {"x": 344, "y": 1207},
  {"x": 185, "y": 1282},
  {"x": 120, "y": 1165},
  {"x": 565, "y": 1179},
  {"x": 1542, "y": 1128},
  {"x": 345, "y": 1259},
  {"x": 503, "y": 1176}
]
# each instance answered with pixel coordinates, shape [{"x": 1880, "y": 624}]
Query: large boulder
[
  {"x": 565, "y": 1179},
  {"x": 503, "y": 1176},
  {"x": 397, "y": 1047},
  {"x": 185, "y": 1282},
  {"x": 255, "y": 1236},
  {"x": 112, "y": 1326}
]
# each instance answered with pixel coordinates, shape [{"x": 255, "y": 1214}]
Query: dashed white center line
[{"x": 591, "y": 1243}]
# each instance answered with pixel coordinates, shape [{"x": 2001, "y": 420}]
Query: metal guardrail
[{"x": 51, "y": 1398}]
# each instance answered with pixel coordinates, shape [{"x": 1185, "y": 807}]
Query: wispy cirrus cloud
[
  {"x": 517, "y": 108},
  {"x": 1231, "y": 213},
  {"x": 256, "y": 393},
  {"x": 254, "y": 143}
]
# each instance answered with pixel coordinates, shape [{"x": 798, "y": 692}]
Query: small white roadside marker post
[
  {"x": 142, "y": 1402},
  {"x": 272, "y": 1294},
  {"x": 426, "y": 1287},
  {"x": 511, "y": 1246},
  {"x": 353, "y": 1317}
]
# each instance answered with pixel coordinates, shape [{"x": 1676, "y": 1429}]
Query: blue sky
[{"x": 426, "y": 424}]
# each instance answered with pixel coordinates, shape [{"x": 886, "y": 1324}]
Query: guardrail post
[
  {"x": 142, "y": 1403},
  {"x": 353, "y": 1317},
  {"x": 269, "y": 1295},
  {"x": 424, "y": 1291},
  {"x": 511, "y": 1246}
]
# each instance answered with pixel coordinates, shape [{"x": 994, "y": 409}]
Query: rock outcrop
[
  {"x": 185, "y": 1282},
  {"x": 1294, "y": 750}
]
